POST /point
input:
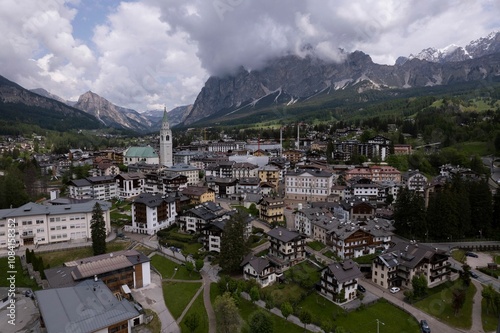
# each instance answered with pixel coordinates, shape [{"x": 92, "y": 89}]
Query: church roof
[{"x": 146, "y": 151}]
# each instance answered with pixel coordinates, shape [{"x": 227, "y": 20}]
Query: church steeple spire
[{"x": 166, "y": 158}]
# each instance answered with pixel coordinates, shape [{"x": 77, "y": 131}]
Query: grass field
[
  {"x": 167, "y": 268},
  {"x": 489, "y": 319},
  {"x": 177, "y": 295},
  {"x": 57, "y": 258},
  {"x": 197, "y": 307},
  {"x": 458, "y": 255},
  {"x": 155, "y": 325},
  {"x": 438, "y": 304},
  {"x": 22, "y": 280},
  {"x": 316, "y": 245}
]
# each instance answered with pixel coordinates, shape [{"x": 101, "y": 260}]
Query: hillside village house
[
  {"x": 45, "y": 224},
  {"x": 339, "y": 281},
  {"x": 152, "y": 212},
  {"x": 375, "y": 173},
  {"x": 398, "y": 266}
]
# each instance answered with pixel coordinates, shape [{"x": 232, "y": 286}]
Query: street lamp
[{"x": 378, "y": 325}]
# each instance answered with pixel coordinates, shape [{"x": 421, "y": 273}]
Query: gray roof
[
  {"x": 259, "y": 264},
  {"x": 315, "y": 173},
  {"x": 87, "y": 307},
  {"x": 32, "y": 208},
  {"x": 153, "y": 200},
  {"x": 410, "y": 255},
  {"x": 345, "y": 271},
  {"x": 283, "y": 234},
  {"x": 60, "y": 277}
]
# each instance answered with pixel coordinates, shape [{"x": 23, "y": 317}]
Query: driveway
[
  {"x": 151, "y": 297},
  {"x": 482, "y": 260}
]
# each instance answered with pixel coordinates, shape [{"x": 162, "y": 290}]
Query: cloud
[{"x": 146, "y": 53}]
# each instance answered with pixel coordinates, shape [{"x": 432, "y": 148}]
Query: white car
[{"x": 394, "y": 290}]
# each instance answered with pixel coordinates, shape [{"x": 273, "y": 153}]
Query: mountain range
[
  {"x": 291, "y": 80},
  {"x": 285, "y": 82}
]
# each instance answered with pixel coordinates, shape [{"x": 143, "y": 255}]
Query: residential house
[
  {"x": 304, "y": 217},
  {"x": 271, "y": 209},
  {"x": 98, "y": 188},
  {"x": 354, "y": 209},
  {"x": 212, "y": 232},
  {"x": 287, "y": 247},
  {"x": 414, "y": 180},
  {"x": 195, "y": 219},
  {"x": 294, "y": 156},
  {"x": 199, "y": 194},
  {"x": 248, "y": 185},
  {"x": 164, "y": 182},
  {"x": 152, "y": 212},
  {"x": 192, "y": 173},
  {"x": 398, "y": 266},
  {"x": 352, "y": 239},
  {"x": 245, "y": 170},
  {"x": 339, "y": 281},
  {"x": 270, "y": 174},
  {"x": 130, "y": 184},
  {"x": 260, "y": 269}
]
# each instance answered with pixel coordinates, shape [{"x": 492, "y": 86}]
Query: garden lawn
[
  {"x": 458, "y": 255},
  {"x": 368, "y": 259},
  {"x": 177, "y": 295},
  {"x": 197, "y": 307},
  {"x": 497, "y": 259},
  {"x": 365, "y": 321},
  {"x": 279, "y": 324},
  {"x": 438, "y": 304},
  {"x": 57, "y": 258},
  {"x": 22, "y": 280},
  {"x": 316, "y": 245},
  {"x": 167, "y": 269},
  {"x": 489, "y": 320}
]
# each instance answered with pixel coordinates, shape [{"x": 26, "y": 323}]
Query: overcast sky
[{"x": 149, "y": 53}]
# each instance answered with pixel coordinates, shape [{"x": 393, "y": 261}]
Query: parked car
[
  {"x": 474, "y": 275},
  {"x": 394, "y": 290},
  {"x": 424, "y": 327},
  {"x": 471, "y": 254},
  {"x": 361, "y": 288}
]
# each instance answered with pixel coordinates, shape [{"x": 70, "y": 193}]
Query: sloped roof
[
  {"x": 143, "y": 152},
  {"x": 87, "y": 307},
  {"x": 283, "y": 234},
  {"x": 345, "y": 271}
]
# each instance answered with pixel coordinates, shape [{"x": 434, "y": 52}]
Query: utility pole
[{"x": 378, "y": 325}]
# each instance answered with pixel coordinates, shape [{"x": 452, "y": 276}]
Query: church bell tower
[{"x": 165, "y": 142}]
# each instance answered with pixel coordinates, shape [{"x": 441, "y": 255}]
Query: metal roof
[{"x": 87, "y": 307}]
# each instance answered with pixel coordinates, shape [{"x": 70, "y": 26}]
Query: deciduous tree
[
  {"x": 227, "y": 316},
  {"x": 233, "y": 244},
  {"x": 260, "y": 322}
]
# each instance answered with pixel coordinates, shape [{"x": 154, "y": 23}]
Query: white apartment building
[
  {"x": 192, "y": 173},
  {"x": 98, "y": 188},
  {"x": 41, "y": 224},
  {"x": 308, "y": 185}
]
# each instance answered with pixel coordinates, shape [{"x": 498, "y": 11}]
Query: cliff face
[
  {"x": 112, "y": 115},
  {"x": 292, "y": 79}
]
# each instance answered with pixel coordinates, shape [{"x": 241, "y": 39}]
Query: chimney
[{"x": 279, "y": 232}]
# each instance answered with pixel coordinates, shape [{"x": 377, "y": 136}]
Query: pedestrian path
[{"x": 477, "y": 325}]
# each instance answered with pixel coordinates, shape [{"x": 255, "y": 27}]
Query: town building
[
  {"x": 130, "y": 184},
  {"x": 308, "y": 185},
  {"x": 145, "y": 155},
  {"x": 86, "y": 307},
  {"x": 199, "y": 194},
  {"x": 287, "y": 247},
  {"x": 192, "y": 173},
  {"x": 195, "y": 219},
  {"x": 414, "y": 181},
  {"x": 152, "y": 212},
  {"x": 339, "y": 281},
  {"x": 98, "y": 188},
  {"x": 399, "y": 264},
  {"x": 272, "y": 209},
  {"x": 45, "y": 224},
  {"x": 260, "y": 269},
  {"x": 270, "y": 174}
]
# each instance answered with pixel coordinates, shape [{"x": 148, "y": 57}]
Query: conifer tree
[{"x": 98, "y": 230}]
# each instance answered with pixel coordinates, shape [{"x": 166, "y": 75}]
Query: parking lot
[{"x": 482, "y": 260}]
